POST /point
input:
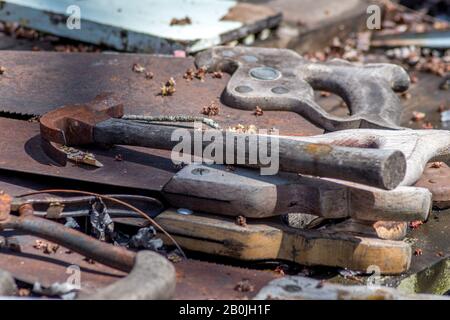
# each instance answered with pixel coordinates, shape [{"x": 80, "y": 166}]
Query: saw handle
[{"x": 375, "y": 167}]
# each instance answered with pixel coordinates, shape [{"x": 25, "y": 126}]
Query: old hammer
[{"x": 99, "y": 122}]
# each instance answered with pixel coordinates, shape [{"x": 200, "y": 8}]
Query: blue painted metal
[{"x": 132, "y": 25}]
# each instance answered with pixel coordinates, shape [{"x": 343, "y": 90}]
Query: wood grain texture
[
  {"x": 381, "y": 168},
  {"x": 270, "y": 240},
  {"x": 387, "y": 230},
  {"x": 240, "y": 191},
  {"x": 418, "y": 146}
]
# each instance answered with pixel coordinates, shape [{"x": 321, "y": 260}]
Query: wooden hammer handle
[{"x": 379, "y": 168}]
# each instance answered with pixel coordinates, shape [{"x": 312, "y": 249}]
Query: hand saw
[{"x": 281, "y": 76}]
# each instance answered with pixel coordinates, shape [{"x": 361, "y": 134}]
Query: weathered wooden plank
[
  {"x": 266, "y": 239},
  {"x": 244, "y": 192}
]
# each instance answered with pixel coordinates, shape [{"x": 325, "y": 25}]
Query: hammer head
[{"x": 74, "y": 124}]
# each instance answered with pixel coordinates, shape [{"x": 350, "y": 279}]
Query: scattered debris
[
  {"x": 217, "y": 75},
  {"x": 148, "y": 119},
  {"x": 65, "y": 290},
  {"x": 427, "y": 125},
  {"x": 415, "y": 224},
  {"x": 418, "y": 252},
  {"x": 138, "y": 68},
  {"x": 189, "y": 74},
  {"x": 101, "y": 222},
  {"x": 250, "y": 129},
  {"x": 405, "y": 95},
  {"x": 24, "y": 292},
  {"x": 89, "y": 260},
  {"x": 2, "y": 70},
  {"x": 169, "y": 88},
  {"x": 68, "y": 48},
  {"x": 258, "y": 111},
  {"x": 280, "y": 270},
  {"x": 72, "y": 223},
  {"x": 82, "y": 157},
  {"x": 230, "y": 168},
  {"x": 181, "y": 22},
  {"x": 241, "y": 221},
  {"x": 211, "y": 110},
  {"x": 350, "y": 274},
  {"x": 46, "y": 247},
  {"x": 201, "y": 73},
  {"x": 34, "y": 119},
  {"x": 436, "y": 164},
  {"x": 244, "y": 286},
  {"x": 118, "y": 157},
  {"x": 174, "y": 257},
  {"x": 149, "y": 75},
  {"x": 418, "y": 116},
  {"x": 413, "y": 77},
  {"x": 145, "y": 238},
  {"x": 440, "y": 254}
]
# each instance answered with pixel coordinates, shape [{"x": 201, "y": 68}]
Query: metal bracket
[{"x": 279, "y": 79}]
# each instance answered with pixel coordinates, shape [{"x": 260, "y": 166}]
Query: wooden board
[{"x": 269, "y": 239}]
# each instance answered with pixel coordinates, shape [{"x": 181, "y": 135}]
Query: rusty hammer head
[{"x": 74, "y": 124}]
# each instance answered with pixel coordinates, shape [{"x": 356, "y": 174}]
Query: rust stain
[
  {"x": 5, "y": 206},
  {"x": 319, "y": 149}
]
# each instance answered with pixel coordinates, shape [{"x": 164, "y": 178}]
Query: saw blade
[{"x": 37, "y": 82}]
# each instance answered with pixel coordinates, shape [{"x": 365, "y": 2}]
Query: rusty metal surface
[
  {"x": 436, "y": 178},
  {"x": 37, "y": 82},
  {"x": 75, "y": 240},
  {"x": 142, "y": 168},
  {"x": 200, "y": 280},
  {"x": 33, "y": 265},
  {"x": 195, "y": 279}
]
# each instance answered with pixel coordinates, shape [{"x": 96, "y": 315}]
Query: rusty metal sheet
[
  {"x": 37, "y": 82},
  {"x": 141, "y": 168},
  {"x": 195, "y": 279},
  {"x": 33, "y": 265},
  {"x": 199, "y": 280}
]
